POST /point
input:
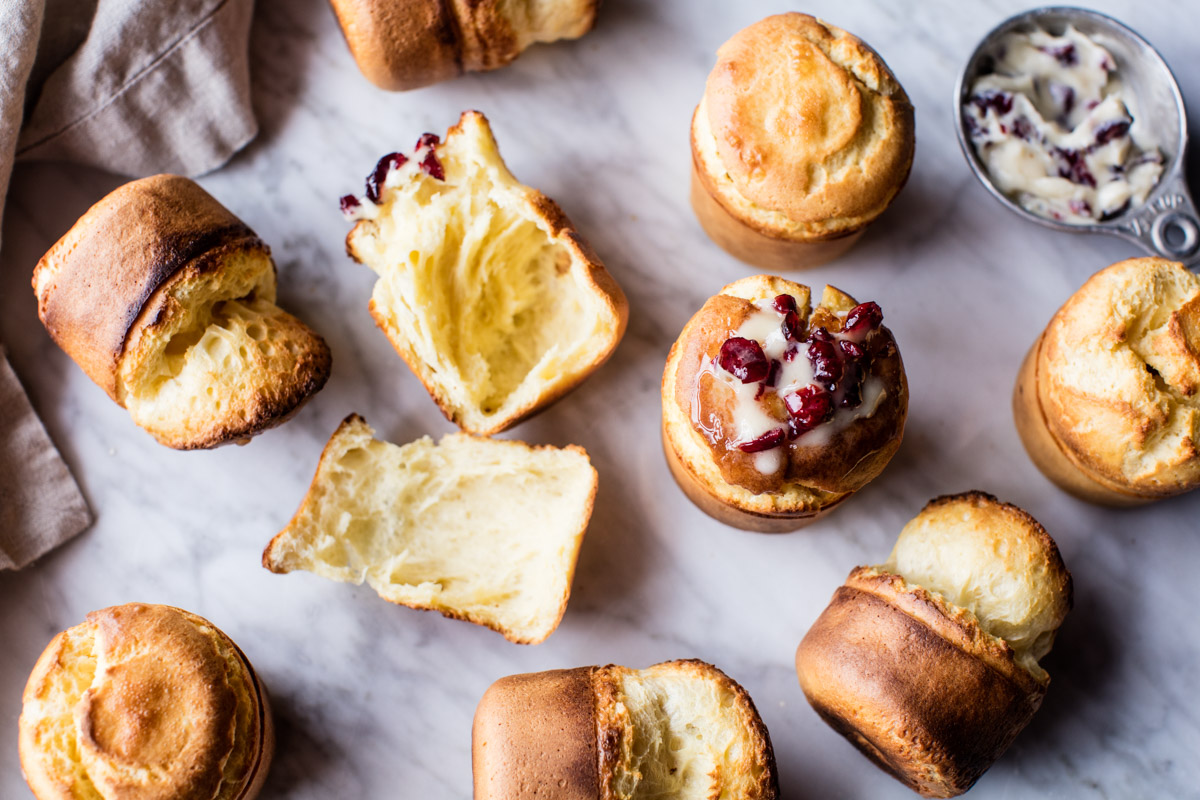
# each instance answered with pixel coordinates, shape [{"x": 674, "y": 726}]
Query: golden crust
[
  {"x": 918, "y": 683},
  {"x": 584, "y": 262},
  {"x": 803, "y": 134},
  {"x": 750, "y": 240},
  {"x": 406, "y": 44},
  {"x": 1108, "y": 402},
  {"x": 814, "y": 481},
  {"x": 144, "y": 702},
  {"x": 518, "y": 717},
  {"x": 915, "y": 690},
  {"x": 93, "y": 284},
  {"x": 589, "y": 719},
  {"x": 1048, "y": 454},
  {"x": 135, "y": 285}
]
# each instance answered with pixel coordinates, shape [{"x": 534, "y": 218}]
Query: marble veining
[{"x": 375, "y": 701}]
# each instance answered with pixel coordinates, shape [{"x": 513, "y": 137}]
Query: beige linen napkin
[{"x": 130, "y": 86}]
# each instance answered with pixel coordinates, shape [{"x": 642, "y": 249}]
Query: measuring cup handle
[{"x": 1168, "y": 225}]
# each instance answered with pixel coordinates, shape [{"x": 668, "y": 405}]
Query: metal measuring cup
[{"x": 1166, "y": 224}]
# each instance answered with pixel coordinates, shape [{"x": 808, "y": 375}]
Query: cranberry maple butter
[{"x": 774, "y": 411}]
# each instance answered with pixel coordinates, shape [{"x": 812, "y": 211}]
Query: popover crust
[
  {"x": 406, "y": 44},
  {"x": 926, "y": 695},
  {"x": 1116, "y": 378},
  {"x": 605, "y": 733},
  {"x": 924, "y": 686},
  {"x": 803, "y": 132},
  {"x": 93, "y": 284},
  {"x": 144, "y": 702},
  {"x": 167, "y": 301}
]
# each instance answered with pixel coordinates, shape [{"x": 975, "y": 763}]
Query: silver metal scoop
[{"x": 1166, "y": 224}]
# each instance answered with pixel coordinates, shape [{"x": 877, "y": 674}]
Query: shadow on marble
[
  {"x": 302, "y": 754},
  {"x": 1084, "y": 667},
  {"x": 612, "y": 564},
  {"x": 282, "y": 51}
]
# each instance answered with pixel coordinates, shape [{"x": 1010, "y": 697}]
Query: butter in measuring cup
[{"x": 1053, "y": 126}]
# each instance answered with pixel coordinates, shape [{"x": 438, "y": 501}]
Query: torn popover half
[
  {"x": 406, "y": 44},
  {"x": 1107, "y": 402},
  {"x": 681, "y": 729},
  {"x": 775, "y": 411},
  {"x": 928, "y": 663},
  {"x": 144, "y": 702},
  {"x": 482, "y": 530},
  {"x": 485, "y": 288},
  {"x": 167, "y": 301}
]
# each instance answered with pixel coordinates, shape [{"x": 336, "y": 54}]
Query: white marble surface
[{"x": 375, "y": 701}]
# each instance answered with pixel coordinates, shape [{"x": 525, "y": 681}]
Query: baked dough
[
  {"x": 681, "y": 729},
  {"x": 485, "y": 288},
  {"x": 929, "y": 663},
  {"x": 802, "y": 138},
  {"x": 813, "y": 472},
  {"x": 406, "y": 44},
  {"x": 167, "y": 301},
  {"x": 481, "y": 530},
  {"x": 144, "y": 702},
  {"x": 1108, "y": 398}
]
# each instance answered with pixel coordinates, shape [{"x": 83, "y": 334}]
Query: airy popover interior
[
  {"x": 222, "y": 354},
  {"x": 484, "y": 287},
  {"x": 686, "y": 731},
  {"x": 994, "y": 561},
  {"x": 482, "y": 530}
]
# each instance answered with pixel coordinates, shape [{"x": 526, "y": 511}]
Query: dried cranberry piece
[
  {"x": 808, "y": 407},
  {"x": 1022, "y": 128},
  {"x": 430, "y": 163},
  {"x": 1075, "y": 167},
  {"x": 773, "y": 374},
  {"x": 793, "y": 328},
  {"x": 348, "y": 203},
  {"x": 1111, "y": 130},
  {"x": 784, "y": 303},
  {"x": 744, "y": 359},
  {"x": 1064, "y": 96},
  {"x": 851, "y": 349},
  {"x": 827, "y": 366},
  {"x": 863, "y": 317},
  {"x": 378, "y": 175},
  {"x": 1064, "y": 55},
  {"x": 770, "y": 439},
  {"x": 821, "y": 335},
  {"x": 433, "y": 168},
  {"x": 1000, "y": 102},
  {"x": 790, "y": 353},
  {"x": 1080, "y": 208},
  {"x": 851, "y": 385}
]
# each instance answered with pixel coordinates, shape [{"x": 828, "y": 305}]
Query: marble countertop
[{"x": 375, "y": 701}]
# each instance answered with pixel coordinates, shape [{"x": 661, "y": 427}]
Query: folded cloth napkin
[{"x": 131, "y": 86}]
